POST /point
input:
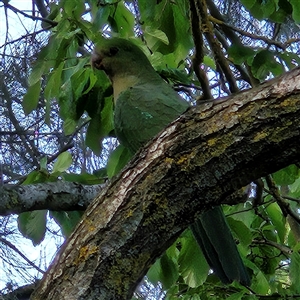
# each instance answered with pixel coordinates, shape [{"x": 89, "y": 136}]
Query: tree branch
[
  {"x": 35, "y": 18},
  {"x": 282, "y": 203},
  {"x": 199, "y": 159},
  {"x": 57, "y": 196}
]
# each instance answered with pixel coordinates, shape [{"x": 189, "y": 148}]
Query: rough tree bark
[
  {"x": 202, "y": 157},
  {"x": 57, "y": 196}
]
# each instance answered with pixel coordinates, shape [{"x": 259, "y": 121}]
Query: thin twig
[{"x": 14, "y": 248}]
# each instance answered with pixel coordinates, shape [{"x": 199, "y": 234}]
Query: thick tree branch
[
  {"x": 56, "y": 196},
  {"x": 200, "y": 158}
]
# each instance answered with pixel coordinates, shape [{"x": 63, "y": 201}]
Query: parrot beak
[{"x": 96, "y": 60}]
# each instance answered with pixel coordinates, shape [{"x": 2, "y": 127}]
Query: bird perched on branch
[{"x": 144, "y": 105}]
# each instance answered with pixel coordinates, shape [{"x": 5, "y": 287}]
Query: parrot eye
[{"x": 113, "y": 51}]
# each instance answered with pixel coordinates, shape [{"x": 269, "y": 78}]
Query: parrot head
[{"x": 119, "y": 58}]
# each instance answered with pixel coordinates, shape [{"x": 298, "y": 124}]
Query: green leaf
[
  {"x": 295, "y": 188},
  {"x": 241, "y": 230},
  {"x": 294, "y": 271},
  {"x": 100, "y": 126},
  {"x": 117, "y": 160},
  {"x": 67, "y": 220},
  {"x": 94, "y": 136},
  {"x": 248, "y": 3},
  {"x": 96, "y": 96},
  {"x": 85, "y": 178},
  {"x": 291, "y": 59},
  {"x": 67, "y": 105},
  {"x": 237, "y": 296},
  {"x": 171, "y": 19},
  {"x": 37, "y": 72},
  {"x": 277, "y": 219},
  {"x": 92, "y": 80},
  {"x": 52, "y": 88},
  {"x": 122, "y": 20},
  {"x": 278, "y": 16},
  {"x": 31, "y": 98},
  {"x": 175, "y": 75},
  {"x": 255, "y": 8},
  {"x": 286, "y": 176},
  {"x": 37, "y": 177},
  {"x": 43, "y": 163},
  {"x": 74, "y": 8},
  {"x": 239, "y": 53},
  {"x": 296, "y": 10},
  {"x": 101, "y": 17},
  {"x": 154, "y": 272},
  {"x": 246, "y": 217},
  {"x": 63, "y": 162},
  {"x": 169, "y": 271},
  {"x": 69, "y": 126},
  {"x": 157, "y": 34},
  {"x": 265, "y": 63},
  {"x": 80, "y": 78},
  {"x": 31, "y": 177},
  {"x": 192, "y": 264},
  {"x": 268, "y": 8},
  {"x": 260, "y": 284},
  {"x": 33, "y": 225},
  {"x": 208, "y": 61}
]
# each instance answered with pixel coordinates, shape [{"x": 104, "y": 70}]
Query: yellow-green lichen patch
[
  {"x": 211, "y": 142},
  {"x": 290, "y": 101},
  {"x": 84, "y": 253},
  {"x": 90, "y": 224},
  {"x": 129, "y": 214},
  {"x": 185, "y": 159},
  {"x": 259, "y": 136},
  {"x": 169, "y": 160}
]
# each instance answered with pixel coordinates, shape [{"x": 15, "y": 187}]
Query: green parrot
[{"x": 144, "y": 105}]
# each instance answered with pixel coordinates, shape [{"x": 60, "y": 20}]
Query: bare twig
[
  {"x": 35, "y": 18},
  {"x": 14, "y": 248},
  {"x": 284, "y": 205}
]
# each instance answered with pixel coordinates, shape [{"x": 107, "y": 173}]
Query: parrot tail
[{"x": 214, "y": 237}]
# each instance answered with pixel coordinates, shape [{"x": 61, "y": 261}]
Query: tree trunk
[{"x": 198, "y": 160}]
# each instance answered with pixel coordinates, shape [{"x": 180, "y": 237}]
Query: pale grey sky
[{"x": 18, "y": 24}]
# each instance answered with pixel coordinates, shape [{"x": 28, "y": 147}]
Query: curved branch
[
  {"x": 284, "y": 249},
  {"x": 199, "y": 159}
]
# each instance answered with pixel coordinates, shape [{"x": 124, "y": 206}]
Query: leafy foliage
[{"x": 257, "y": 39}]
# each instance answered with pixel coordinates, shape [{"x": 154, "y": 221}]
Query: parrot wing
[{"x": 141, "y": 113}]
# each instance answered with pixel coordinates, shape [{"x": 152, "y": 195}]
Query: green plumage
[
  {"x": 141, "y": 112},
  {"x": 144, "y": 105}
]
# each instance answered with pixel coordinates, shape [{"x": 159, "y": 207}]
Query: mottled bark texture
[
  {"x": 56, "y": 196},
  {"x": 202, "y": 157}
]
